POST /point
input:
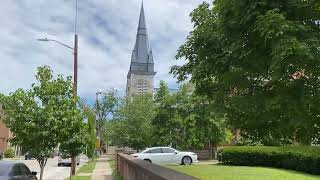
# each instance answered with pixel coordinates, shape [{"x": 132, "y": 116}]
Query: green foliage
[
  {"x": 300, "y": 158},
  {"x": 164, "y": 122},
  {"x": 91, "y": 130},
  {"x": 9, "y": 153},
  {"x": 131, "y": 125},
  {"x": 44, "y": 116},
  {"x": 259, "y": 62},
  {"x": 105, "y": 109},
  {"x": 186, "y": 120},
  {"x": 183, "y": 120}
]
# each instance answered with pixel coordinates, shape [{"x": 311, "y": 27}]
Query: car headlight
[{"x": 193, "y": 154}]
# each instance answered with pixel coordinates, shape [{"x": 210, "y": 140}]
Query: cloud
[{"x": 106, "y": 31}]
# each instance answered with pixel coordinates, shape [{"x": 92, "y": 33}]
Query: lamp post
[{"x": 75, "y": 58}]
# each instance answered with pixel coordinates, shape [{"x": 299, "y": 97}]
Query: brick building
[{"x": 5, "y": 134}]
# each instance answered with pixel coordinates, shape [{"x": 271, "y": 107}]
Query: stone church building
[{"x": 141, "y": 74}]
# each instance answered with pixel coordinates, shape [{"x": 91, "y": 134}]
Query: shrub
[
  {"x": 9, "y": 153},
  {"x": 299, "y": 158}
]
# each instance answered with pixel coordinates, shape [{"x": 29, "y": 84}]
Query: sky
[{"x": 107, "y": 31}]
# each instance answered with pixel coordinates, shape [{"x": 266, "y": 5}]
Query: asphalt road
[{"x": 52, "y": 170}]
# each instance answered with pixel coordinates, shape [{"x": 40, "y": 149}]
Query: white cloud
[{"x": 106, "y": 38}]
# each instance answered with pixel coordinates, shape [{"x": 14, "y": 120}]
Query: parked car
[
  {"x": 28, "y": 156},
  {"x": 10, "y": 170},
  {"x": 166, "y": 155},
  {"x": 65, "y": 160}
]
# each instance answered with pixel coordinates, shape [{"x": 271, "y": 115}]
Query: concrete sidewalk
[{"x": 103, "y": 170}]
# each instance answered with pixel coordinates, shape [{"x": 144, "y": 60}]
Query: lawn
[{"x": 220, "y": 172}]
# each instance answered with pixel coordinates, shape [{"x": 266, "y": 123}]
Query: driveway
[{"x": 52, "y": 171}]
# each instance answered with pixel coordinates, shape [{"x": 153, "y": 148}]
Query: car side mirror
[
  {"x": 34, "y": 173},
  {"x": 176, "y": 152}
]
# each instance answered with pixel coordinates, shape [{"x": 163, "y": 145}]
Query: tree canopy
[
  {"x": 259, "y": 61},
  {"x": 44, "y": 116}
]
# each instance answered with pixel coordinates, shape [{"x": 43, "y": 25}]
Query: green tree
[
  {"x": 39, "y": 117},
  {"x": 163, "y": 124},
  {"x": 132, "y": 122},
  {"x": 91, "y": 130},
  {"x": 105, "y": 109},
  {"x": 186, "y": 120},
  {"x": 259, "y": 62}
]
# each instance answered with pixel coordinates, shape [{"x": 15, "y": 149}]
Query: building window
[{"x": 142, "y": 87}]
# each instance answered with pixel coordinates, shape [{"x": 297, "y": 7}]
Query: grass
[
  {"x": 88, "y": 168},
  {"x": 112, "y": 164},
  {"x": 115, "y": 174},
  {"x": 80, "y": 178},
  {"x": 219, "y": 172}
]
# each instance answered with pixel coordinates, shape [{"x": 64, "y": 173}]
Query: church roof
[{"x": 142, "y": 58}]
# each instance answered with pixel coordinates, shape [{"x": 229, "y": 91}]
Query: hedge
[
  {"x": 9, "y": 153},
  {"x": 299, "y": 158}
]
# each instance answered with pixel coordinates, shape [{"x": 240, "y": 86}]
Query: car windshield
[
  {"x": 65, "y": 156},
  {"x": 4, "y": 169}
]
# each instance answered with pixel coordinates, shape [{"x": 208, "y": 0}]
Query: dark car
[
  {"x": 10, "y": 170},
  {"x": 28, "y": 156}
]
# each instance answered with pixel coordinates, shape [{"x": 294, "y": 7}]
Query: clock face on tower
[{"x": 142, "y": 86}]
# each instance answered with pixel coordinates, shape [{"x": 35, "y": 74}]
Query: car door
[
  {"x": 168, "y": 155},
  {"x": 15, "y": 173},
  {"x": 155, "y": 155},
  {"x": 26, "y": 173}
]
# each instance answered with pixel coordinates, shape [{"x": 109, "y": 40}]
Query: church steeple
[
  {"x": 141, "y": 59},
  {"x": 140, "y": 77}
]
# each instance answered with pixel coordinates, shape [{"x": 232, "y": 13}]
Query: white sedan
[{"x": 166, "y": 155}]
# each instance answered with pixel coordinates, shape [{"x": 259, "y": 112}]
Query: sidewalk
[{"x": 103, "y": 170}]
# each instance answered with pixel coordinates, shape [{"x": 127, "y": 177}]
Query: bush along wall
[
  {"x": 9, "y": 153},
  {"x": 299, "y": 158}
]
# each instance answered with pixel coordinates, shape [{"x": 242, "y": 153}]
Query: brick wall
[
  {"x": 5, "y": 134},
  {"x": 131, "y": 168}
]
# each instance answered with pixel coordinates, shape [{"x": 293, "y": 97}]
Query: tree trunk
[
  {"x": 210, "y": 149},
  {"x": 42, "y": 164},
  {"x": 73, "y": 165}
]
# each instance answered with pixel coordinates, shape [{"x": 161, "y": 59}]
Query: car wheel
[
  {"x": 186, "y": 160},
  {"x": 148, "y": 160}
]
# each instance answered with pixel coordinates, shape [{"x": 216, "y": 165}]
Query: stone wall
[
  {"x": 134, "y": 81},
  {"x": 131, "y": 168}
]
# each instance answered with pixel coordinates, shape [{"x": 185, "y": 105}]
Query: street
[{"x": 52, "y": 170}]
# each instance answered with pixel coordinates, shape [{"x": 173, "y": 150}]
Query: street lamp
[{"x": 75, "y": 58}]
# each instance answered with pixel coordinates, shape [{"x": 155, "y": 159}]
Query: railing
[{"x": 131, "y": 168}]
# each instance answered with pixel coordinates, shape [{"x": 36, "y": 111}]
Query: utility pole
[{"x": 75, "y": 66}]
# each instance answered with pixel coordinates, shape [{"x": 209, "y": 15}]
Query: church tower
[{"x": 140, "y": 77}]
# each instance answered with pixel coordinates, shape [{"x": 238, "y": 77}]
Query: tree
[
  {"x": 163, "y": 124},
  {"x": 132, "y": 122},
  {"x": 91, "y": 130},
  {"x": 186, "y": 120},
  {"x": 107, "y": 105},
  {"x": 74, "y": 137},
  {"x": 105, "y": 109},
  {"x": 259, "y": 62},
  {"x": 39, "y": 117}
]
